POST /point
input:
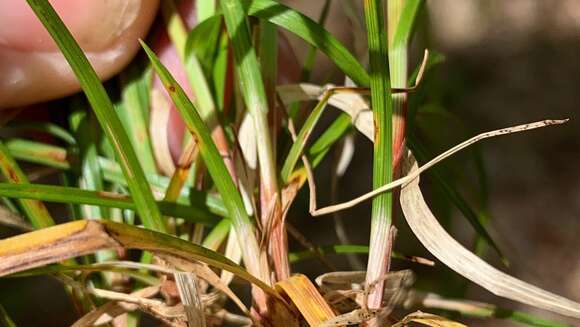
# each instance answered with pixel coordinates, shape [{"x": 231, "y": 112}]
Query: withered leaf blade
[
  {"x": 52, "y": 244},
  {"x": 300, "y": 290},
  {"x": 60, "y": 242},
  {"x": 432, "y": 235}
]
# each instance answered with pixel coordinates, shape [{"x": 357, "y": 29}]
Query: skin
[
  {"x": 31, "y": 68},
  {"x": 33, "y": 71}
]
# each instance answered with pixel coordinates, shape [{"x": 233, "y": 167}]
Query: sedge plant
[{"x": 220, "y": 210}]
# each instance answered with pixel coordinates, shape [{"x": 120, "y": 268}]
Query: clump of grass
[{"x": 225, "y": 204}]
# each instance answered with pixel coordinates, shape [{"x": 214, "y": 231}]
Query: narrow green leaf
[
  {"x": 311, "y": 56},
  {"x": 61, "y": 194},
  {"x": 34, "y": 209},
  {"x": 134, "y": 113},
  {"x": 406, "y": 22},
  {"x": 217, "y": 235},
  {"x": 57, "y": 157},
  {"x": 177, "y": 32},
  {"x": 331, "y": 135},
  {"x": 205, "y": 9},
  {"x": 300, "y": 143},
  {"x": 214, "y": 163},
  {"x": 39, "y": 153},
  {"x": 326, "y": 250},
  {"x": 103, "y": 108},
  {"x": 5, "y": 318},
  {"x": 86, "y": 128},
  {"x": 252, "y": 89},
  {"x": 311, "y": 32},
  {"x": 381, "y": 104}
]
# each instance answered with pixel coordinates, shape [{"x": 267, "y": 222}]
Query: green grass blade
[
  {"x": 86, "y": 128},
  {"x": 202, "y": 41},
  {"x": 40, "y": 153},
  {"x": 5, "y": 319},
  {"x": 214, "y": 163},
  {"x": 205, "y": 9},
  {"x": 311, "y": 55},
  {"x": 103, "y": 108},
  {"x": 217, "y": 235},
  {"x": 177, "y": 32},
  {"x": 300, "y": 143},
  {"x": 60, "y": 194},
  {"x": 268, "y": 56},
  {"x": 331, "y": 135},
  {"x": 134, "y": 113},
  {"x": 206, "y": 42},
  {"x": 311, "y": 32},
  {"x": 143, "y": 277},
  {"x": 336, "y": 249},
  {"x": 253, "y": 91},
  {"x": 406, "y": 22},
  {"x": 34, "y": 209},
  {"x": 326, "y": 250},
  {"x": 57, "y": 157},
  {"x": 382, "y": 205}
]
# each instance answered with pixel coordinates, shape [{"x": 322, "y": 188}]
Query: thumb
[{"x": 32, "y": 69}]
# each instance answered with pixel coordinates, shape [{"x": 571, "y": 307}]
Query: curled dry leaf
[
  {"x": 351, "y": 103},
  {"x": 425, "y": 225},
  {"x": 432, "y": 235}
]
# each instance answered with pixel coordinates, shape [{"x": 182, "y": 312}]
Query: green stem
[{"x": 380, "y": 239}]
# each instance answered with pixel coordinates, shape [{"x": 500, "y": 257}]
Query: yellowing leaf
[{"x": 300, "y": 290}]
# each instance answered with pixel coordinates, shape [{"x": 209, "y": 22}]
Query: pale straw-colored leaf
[
  {"x": 204, "y": 272},
  {"x": 233, "y": 252},
  {"x": 346, "y": 155},
  {"x": 247, "y": 165},
  {"x": 189, "y": 293},
  {"x": 433, "y": 162},
  {"x": 351, "y": 103},
  {"x": 432, "y": 235},
  {"x": 158, "y": 130},
  {"x": 247, "y": 140}
]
